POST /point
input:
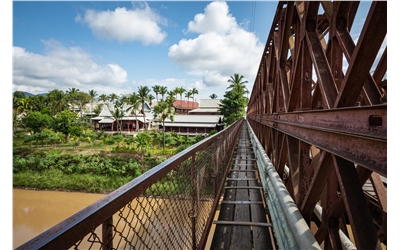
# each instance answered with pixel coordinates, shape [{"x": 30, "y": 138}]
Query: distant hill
[{"x": 27, "y": 94}]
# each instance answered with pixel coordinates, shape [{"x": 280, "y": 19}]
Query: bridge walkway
[{"x": 243, "y": 222}]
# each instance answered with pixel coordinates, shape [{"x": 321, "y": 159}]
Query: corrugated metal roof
[
  {"x": 209, "y": 103},
  {"x": 107, "y": 120},
  {"x": 191, "y": 125},
  {"x": 185, "y": 104},
  {"x": 201, "y": 110},
  {"x": 195, "y": 119}
]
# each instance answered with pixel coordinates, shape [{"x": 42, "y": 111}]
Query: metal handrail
[
  {"x": 72, "y": 230},
  {"x": 291, "y": 230}
]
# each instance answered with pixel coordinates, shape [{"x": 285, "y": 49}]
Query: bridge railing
[
  {"x": 171, "y": 206},
  {"x": 291, "y": 230}
]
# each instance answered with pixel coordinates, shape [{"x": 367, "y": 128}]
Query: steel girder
[{"x": 318, "y": 107}]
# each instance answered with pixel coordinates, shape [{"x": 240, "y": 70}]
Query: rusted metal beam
[
  {"x": 322, "y": 172},
  {"x": 327, "y": 84},
  {"x": 340, "y": 132},
  {"x": 370, "y": 41},
  {"x": 364, "y": 231}
]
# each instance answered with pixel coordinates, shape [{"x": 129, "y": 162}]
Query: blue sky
[
  {"x": 114, "y": 47},
  {"x": 86, "y": 45}
]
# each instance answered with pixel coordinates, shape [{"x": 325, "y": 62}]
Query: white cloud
[
  {"x": 221, "y": 49},
  {"x": 140, "y": 24},
  {"x": 216, "y": 18},
  {"x": 61, "y": 66}
]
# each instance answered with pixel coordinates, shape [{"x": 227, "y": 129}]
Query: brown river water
[{"x": 35, "y": 211}]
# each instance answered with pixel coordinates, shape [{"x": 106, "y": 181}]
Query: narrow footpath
[{"x": 242, "y": 223}]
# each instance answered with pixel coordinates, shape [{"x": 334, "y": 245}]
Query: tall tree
[
  {"x": 163, "y": 110},
  {"x": 180, "y": 91},
  {"x": 81, "y": 99},
  {"x": 72, "y": 91},
  {"x": 112, "y": 97},
  {"x": 163, "y": 92},
  {"x": 213, "y": 96},
  {"x": 151, "y": 98},
  {"x": 92, "y": 94},
  {"x": 134, "y": 104},
  {"x": 143, "y": 92},
  {"x": 37, "y": 121},
  {"x": 24, "y": 106},
  {"x": 176, "y": 91},
  {"x": 157, "y": 89},
  {"x": 194, "y": 92},
  {"x": 188, "y": 94},
  {"x": 118, "y": 113},
  {"x": 70, "y": 97},
  {"x": 104, "y": 99},
  {"x": 57, "y": 101},
  {"x": 233, "y": 104},
  {"x": 237, "y": 84},
  {"x": 64, "y": 121}
]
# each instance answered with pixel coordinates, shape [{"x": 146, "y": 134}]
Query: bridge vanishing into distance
[{"x": 306, "y": 169}]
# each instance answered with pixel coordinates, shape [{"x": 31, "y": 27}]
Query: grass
[{"x": 55, "y": 179}]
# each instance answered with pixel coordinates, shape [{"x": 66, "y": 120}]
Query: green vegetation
[
  {"x": 55, "y": 146},
  {"x": 91, "y": 162},
  {"x": 234, "y": 103}
]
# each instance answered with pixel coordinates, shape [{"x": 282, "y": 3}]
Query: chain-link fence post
[{"x": 107, "y": 234}]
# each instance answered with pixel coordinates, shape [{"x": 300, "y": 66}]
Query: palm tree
[
  {"x": 72, "y": 91},
  {"x": 134, "y": 101},
  {"x": 81, "y": 100},
  {"x": 103, "y": 98},
  {"x": 118, "y": 113},
  {"x": 164, "y": 110},
  {"x": 151, "y": 98},
  {"x": 24, "y": 105},
  {"x": 180, "y": 91},
  {"x": 57, "y": 101},
  {"x": 176, "y": 92},
  {"x": 194, "y": 92},
  {"x": 143, "y": 93},
  {"x": 213, "y": 96},
  {"x": 112, "y": 97},
  {"x": 92, "y": 94},
  {"x": 157, "y": 89},
  {"x": 237, "y": 84},
  {"x": 163, "y": 91},
  {"x": 188, "y": 94}
]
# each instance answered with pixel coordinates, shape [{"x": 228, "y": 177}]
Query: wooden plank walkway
[{"x": 242, "y": 223}]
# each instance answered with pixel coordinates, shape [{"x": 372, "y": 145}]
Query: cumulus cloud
[
  {"x": 216, "y": 18},
  {"x": 61, "y": 66},
  {"x": 139, "y": 24},
  {"x": 221, "y": 49}
]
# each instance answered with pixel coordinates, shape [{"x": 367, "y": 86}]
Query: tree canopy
[{"x": 233, "y": 104}]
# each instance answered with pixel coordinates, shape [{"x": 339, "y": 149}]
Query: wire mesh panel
[{"x": 168, "y": 207}]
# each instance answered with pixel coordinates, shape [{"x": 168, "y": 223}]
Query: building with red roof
[{"x": 183, "y": 107}]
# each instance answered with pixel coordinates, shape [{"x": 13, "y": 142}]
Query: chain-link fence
[{"x": 171, "y": 206}]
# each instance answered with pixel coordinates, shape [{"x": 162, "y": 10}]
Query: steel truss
[{"x": 325, "y": 128}]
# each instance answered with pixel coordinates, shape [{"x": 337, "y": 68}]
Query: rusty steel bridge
[{"x": 306, "y": 168}]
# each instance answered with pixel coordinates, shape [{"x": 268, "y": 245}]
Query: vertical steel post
[
  {"x": 193, "y": 212},
  {"x": 107, "y": 233}
]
